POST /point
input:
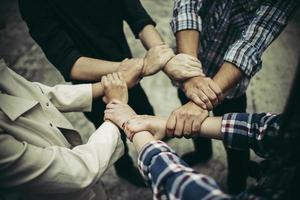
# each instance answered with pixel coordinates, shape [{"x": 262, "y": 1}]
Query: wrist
[
  {"x": 97, "y": 90},
  {"x": 164, "y": 68}
]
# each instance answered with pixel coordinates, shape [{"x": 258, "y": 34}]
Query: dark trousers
[
  {"x": 237, "y": 160},
  {"x": 138, "y": 102}
]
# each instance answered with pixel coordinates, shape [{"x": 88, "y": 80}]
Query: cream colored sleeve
[
  {"x": 69, "y": 98},
  {"x": 57, "y": 169}
]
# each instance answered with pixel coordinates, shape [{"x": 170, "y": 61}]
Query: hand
[
  {"x": 182, "y": 67},
  {"x": 115, "y": 88},
  {"x": 203, "y": 91},
  {"x": 131, "y": 70},
  {"x": 156, "y": 58},
  {"x": 155, "y": 125},
  {"x": 118, "y": 113},
  {"x": 186, "y": 121}
]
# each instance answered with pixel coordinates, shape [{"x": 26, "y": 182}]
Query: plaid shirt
[
  {"x": 171, "y": 178},
  {"x": 236, "y": 31}
]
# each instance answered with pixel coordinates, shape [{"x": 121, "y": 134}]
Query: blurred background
[{"x": 268, "y": 90}]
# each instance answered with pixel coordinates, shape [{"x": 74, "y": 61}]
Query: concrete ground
[{"x": 268, "y": 90}]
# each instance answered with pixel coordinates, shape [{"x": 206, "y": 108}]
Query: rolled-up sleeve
[
  {"x": 269, "y": 20},
  {"x": 69, "y": 98},
  {"x": 57, "y": 45},
  {"x": 259, "y": 132},
  {"x": 186, "y": 15},
  {"x": 136, "y": 16},
  {"x": 57, "y": 169}
]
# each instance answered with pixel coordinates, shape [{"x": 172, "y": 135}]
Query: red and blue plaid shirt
[
  {"x": 236, "y": 31},
  {"x": 171, "y": 178}
]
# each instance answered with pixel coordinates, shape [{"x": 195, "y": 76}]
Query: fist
[
  {"x": 115, "y": 88},
  {"x": 131, "y": 70},
  {"x": 156, "y": 58},
  {"x": 182, "y": 67}
]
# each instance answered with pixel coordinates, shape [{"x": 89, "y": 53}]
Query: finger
[
  {"x": 195, "y": 64},
  {"x": 205, "y": 99},
  {"x": 196, "y": 127},
  {"x": 104, "y": 80},
  {"x": 187, "y": 130},
  {"x": 104, "y": 99},
  {"x": 216, "y": 89},
  {"x": 109, "y": 77},
  {"x": 171, "y": 123},
  {"x": 115, "y": 77},
  {"x": 192, "y": 58},
  {"x": 198, "y": 101},
  {"x": 211, "y": 95},
  {"x": 180, "y": 122},
  {"x": 115, "y": 102},
  {"x": 111, "y": 105}
]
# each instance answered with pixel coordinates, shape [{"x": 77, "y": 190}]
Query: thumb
[{"x": 104, "y": 99}]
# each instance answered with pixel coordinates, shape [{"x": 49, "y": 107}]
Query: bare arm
[
  {"x": 150, "y": 37},
  {"x": 188, "y": 42},
  {"x": 227, "y": 77},
  {"x": 90, "y": 69}
]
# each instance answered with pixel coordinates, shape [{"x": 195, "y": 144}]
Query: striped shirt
[
  {"x": 171, "y": 178},
  {"x": 235, "y": 31}
]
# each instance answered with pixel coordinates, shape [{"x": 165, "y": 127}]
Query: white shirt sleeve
[
  {"x": 57, "y": 169},
  {"x": 69, "y": 98}
]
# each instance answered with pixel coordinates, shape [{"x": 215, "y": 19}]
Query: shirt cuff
[
  {"x": 67, "y": 64},
  {"x": 235, "y": 129},
  {"x": 84, "y": 97},
  {"x": 147, "y": 153},
  {"x": 191, "y": 21},
  {"x": 245, "y": 56}
]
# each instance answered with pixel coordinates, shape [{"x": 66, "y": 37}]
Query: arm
[
  {"x": 90, "y": 69},
  {"x": 238, "y": 130},
  {"x": 160, "y": 166},
  {"x": 71, "y": 98},
  {"x": 243, "y": 57},
  {"x": 59, "y": 47},
  {"x": 57, "y": 169},
  {"x": 169, "y": 176}
]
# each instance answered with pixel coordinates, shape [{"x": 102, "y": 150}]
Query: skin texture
[
  {"x": 156, "y": 58},
  {"x": 210, "y": 128},
  {"x": 186, "y": 120},
  {"x": 182, "y": 67},
  {"x": 131, "y": 70},
  {"x": 203, "y": 91},
  {"x": 115, "y": 88}
]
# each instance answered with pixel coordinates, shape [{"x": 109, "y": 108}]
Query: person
[
  {"x": 229, "y": 37},
  {"x": 271, "y": 136},
  {"x": 42, "y": 156},
  {"x": 85, "y": 40}
]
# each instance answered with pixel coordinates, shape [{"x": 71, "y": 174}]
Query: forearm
[
  {"x": 227, "y": 77},
  {"x": 140, "y": 139},
  {"x": 150, "y": 37},
  {"x": 90, "y": 69},
  {"x": 187, "y": 42},
  {"x": 97, "y": 90},
  {"x": 211, "y": 128}
]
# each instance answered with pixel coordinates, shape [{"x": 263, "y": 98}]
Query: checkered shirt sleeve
[
  {"x": 171, "y": 178},
  {"x": 267, "y": 23},
  {"x": 256, "y": 131},
  {"x": 185, "y": 15}
]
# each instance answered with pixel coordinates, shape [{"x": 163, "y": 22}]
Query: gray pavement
[{"x": 268, "y": 90}]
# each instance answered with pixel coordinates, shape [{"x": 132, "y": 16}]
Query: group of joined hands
[{"x": 184, "y": 70}]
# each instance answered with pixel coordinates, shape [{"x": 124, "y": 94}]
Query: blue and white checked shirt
[
  {"x": 171, "y": 178},
  {"x": 236, "y": 31}
]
